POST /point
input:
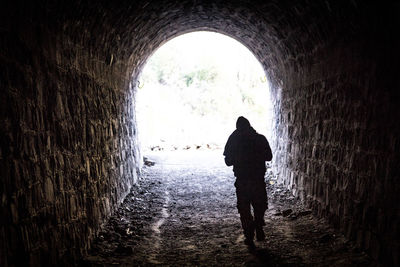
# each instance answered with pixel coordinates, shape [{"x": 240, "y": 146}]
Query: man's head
[{"x": 242, "y": 124}]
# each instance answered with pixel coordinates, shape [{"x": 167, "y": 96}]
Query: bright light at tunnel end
[{"x": 194, "y": 87}]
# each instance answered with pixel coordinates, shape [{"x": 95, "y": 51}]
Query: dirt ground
[{"x": 183, "y": 213}]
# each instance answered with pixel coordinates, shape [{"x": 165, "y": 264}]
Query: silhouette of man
[{"x": 247, "y": 151}]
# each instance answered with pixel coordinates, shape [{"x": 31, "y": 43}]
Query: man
[{"x": 247, "y": 151}]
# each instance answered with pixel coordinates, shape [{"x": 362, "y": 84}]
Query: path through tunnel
[
  {"x": 183, "y": 213},
  {"x": 69, "y": 149}
]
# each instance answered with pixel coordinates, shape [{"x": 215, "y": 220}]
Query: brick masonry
[{"x": 69, "y": 152}]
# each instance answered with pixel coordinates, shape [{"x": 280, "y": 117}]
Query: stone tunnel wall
[
  {"x": 337, "y": 154},
  {"x": 337, "y": 132},
  {"x": 68, "y": 142}
]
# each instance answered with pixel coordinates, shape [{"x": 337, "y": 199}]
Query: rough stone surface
[
  {"x": 68, "y": 72},
  {"x": 68, "y": 142},
  {"x": 183, "y": 213}
]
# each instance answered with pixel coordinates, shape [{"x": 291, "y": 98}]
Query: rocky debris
[
  {"x": 304, "y": 213},
  {"x": 164, "y": 146},
  {"x": 278, "y": 213},
  {"x": 292, "y": 215},
  {"x": 156, "y": 148},
  {"x": 325, "y": 238},
  {"x": 148, "y": 162},
  {"x": 285, "y": 213},
  {"x": 124, "y": 250},
  {"x": 181, "y": 216}
]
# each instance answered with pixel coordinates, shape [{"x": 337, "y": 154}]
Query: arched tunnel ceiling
[
  {"x": 277, "y": 32},
  {"x": 65, "y": 73},
  {"x": 281, "y": 34},
  {"x": 255, "y": 27}
]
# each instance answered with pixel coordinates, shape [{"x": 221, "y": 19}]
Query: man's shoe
[
  {"x": 260, "y": 234},
  {"x": 250, "y": 243}
]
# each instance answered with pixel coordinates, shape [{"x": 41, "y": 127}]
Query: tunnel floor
[{"x": 183, "y": 213}]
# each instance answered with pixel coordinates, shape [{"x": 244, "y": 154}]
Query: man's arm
[
  {"x": 268, "y": 152},
  {"x": 228, "y": 161},
  {"x": 228, "y": 152}
]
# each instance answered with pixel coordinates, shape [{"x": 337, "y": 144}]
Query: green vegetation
[{"x": 194, "y": 97}]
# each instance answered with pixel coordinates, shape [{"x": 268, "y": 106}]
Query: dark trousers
[{"x": 251, "y": 194}]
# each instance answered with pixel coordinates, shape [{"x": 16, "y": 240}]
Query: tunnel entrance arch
[
  {"x": 259, "y": 36},
  {"x": 67, "y": 72},
  {"x": 193, "y": 88}
]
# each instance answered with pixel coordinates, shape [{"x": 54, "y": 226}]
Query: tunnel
[{"x": 69, "y": 149}]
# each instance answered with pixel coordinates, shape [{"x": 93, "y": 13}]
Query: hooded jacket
[{"x": 247, "y": 151}]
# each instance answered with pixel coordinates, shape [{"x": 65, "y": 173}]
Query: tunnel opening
[
  {"x": 193, "y": 88},
  {"x": 68, "y": 150}
]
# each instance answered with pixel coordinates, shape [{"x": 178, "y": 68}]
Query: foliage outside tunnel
[{"x": 194, "y": 87}]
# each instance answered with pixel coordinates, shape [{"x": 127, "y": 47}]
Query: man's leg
[
  {"x": 243, "y": 206},
  {"x": 260, "y": 205}
]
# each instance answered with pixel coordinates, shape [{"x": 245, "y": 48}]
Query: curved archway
[
  {"x": 68, "y": 136},
  {"x": 194, "y": 87}
]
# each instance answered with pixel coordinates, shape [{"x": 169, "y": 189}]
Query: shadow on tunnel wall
[{"x": 69, "y": 152}]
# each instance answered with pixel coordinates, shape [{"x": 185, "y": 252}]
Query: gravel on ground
[{"x": 183, "y": 212}]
